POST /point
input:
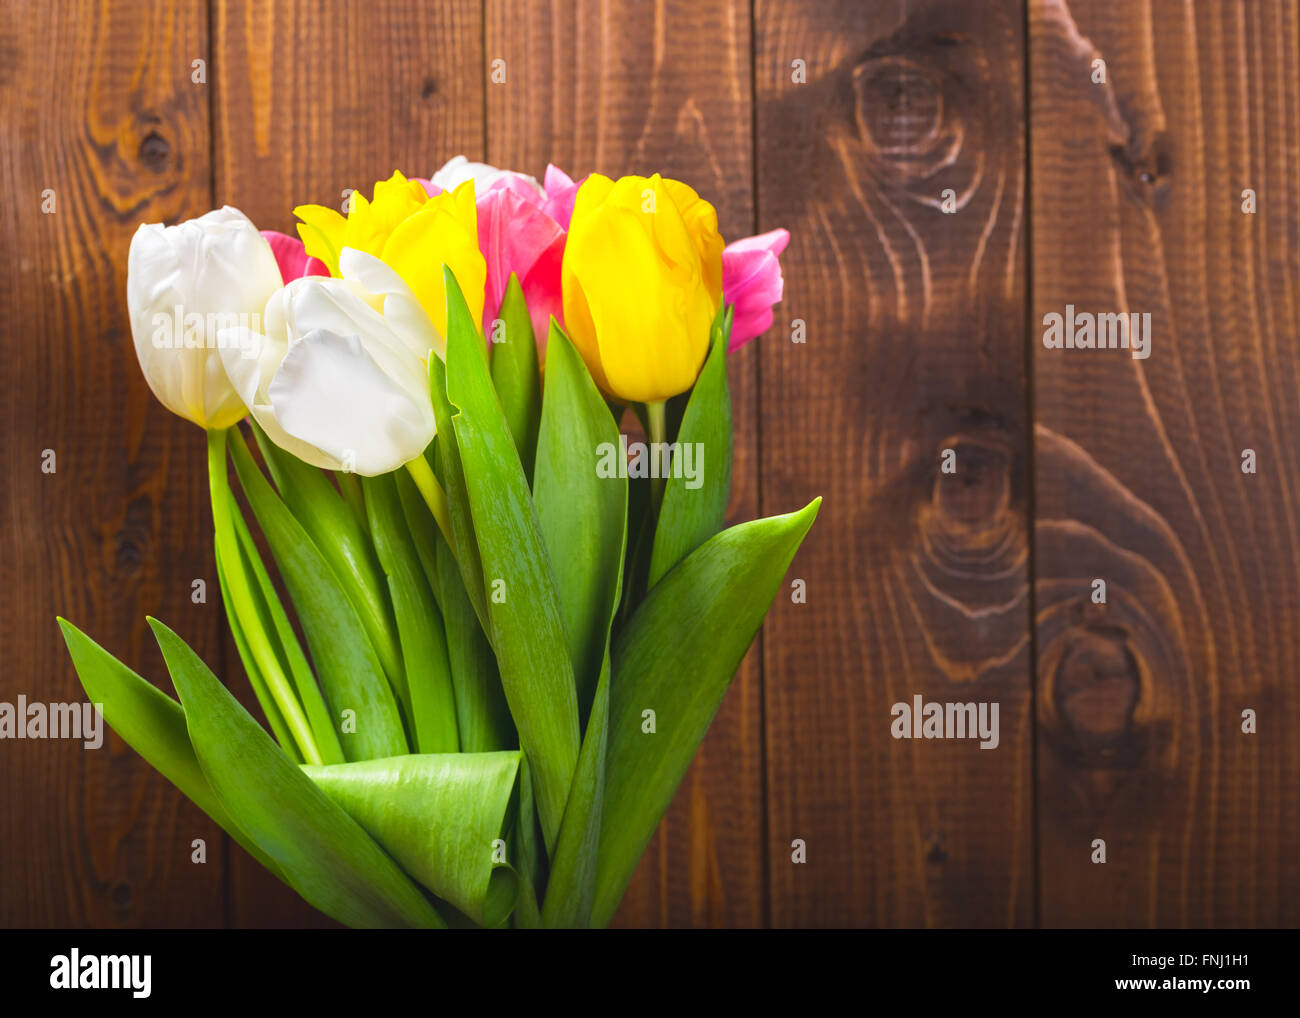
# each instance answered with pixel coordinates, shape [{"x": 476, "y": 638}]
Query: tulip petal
[
  {"x": 458, "y": 170},
  {"x": 332, "y": 393},
  {"x": 251, "y": 375},
  {"x": 444, "y": 232},
  {"x": 560, "y": 194},
  {"x": 291, "y": 255},
  {"x": 321, "y": 231},
  {"x": 752, "y": 283},
  {"x": 516, "y": 236},
  {"x": 401, "y": 310},
  {"x": 346, "y": 308}
]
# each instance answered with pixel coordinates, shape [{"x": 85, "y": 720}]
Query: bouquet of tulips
[{"x": 487, "y": 632}]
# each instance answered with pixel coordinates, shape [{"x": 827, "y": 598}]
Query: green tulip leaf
[
  {"x": 351, "y": 675},
  {"x": 527, "y": 853},
  {"x": 451, "y": 470},
  {"x": 153, "y": 724},
  {"x": 334, "y": 529},
  {"x": 525, "y": 621},
  {"x": 252, "y": 669},
  {"x": 322, "y": 852},
  {"x": 431, "y": 703},
  {"x": 694, "y": 509},
  {"x": 571, "y": 890},
  {"x": 582, "y": 515},
  {"x": 515, "y": 373},
  {"x": 482, "y": 715},
  {"x": 677, "y": 656},
  {"x": 441, "y": 817},
  {"x": 288, "y": 648}
]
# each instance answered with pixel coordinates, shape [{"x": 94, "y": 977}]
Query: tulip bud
[
  {"x": 184, "y": 285},
  {"x": 642, "y": 281},
  {"x": 341, "y": 379}
]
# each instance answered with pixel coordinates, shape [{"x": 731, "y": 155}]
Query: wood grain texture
[
  {"x": 626, "y": 87},
  {"x": 1138, "y": 197},
  {"x": 917, "y": 580},
  {"x": 307, "y": 103},
  {"x": 115, "y": 134}
]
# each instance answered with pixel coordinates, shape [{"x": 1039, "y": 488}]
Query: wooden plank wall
[
  {"x": 951, "y": 173},
  {"x": 1139, "y": 475}
]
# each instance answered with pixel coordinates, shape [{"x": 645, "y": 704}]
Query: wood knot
[
  {"x": 973, "y": 485},
  {"x": 1145, "y": 165},
  {"x": 155, "y": 152},
  {"x": 133, "y": 537},
  {"x": 121, "y": 895},
  {"x": 1096, "y": 688},
  {"x": 899, "y": 106}
]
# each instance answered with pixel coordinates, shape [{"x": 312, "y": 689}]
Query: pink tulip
[
  {"x": 752, "y": 281},
  {"x": 293, "y": 260},
  {"x": 561, "y": 192},
  {"x": 516, "y": 235}
]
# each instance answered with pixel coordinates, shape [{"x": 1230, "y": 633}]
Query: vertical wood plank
[
  {"x": 308, "y": 102},
  {"x": 114, "y": 133},
  {"x": 1138, "y": 208},
  {"x": 917, "y": 580},
  {"x": 623, "y": 87}
]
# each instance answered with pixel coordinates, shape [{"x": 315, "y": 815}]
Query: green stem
[
  {"x": 241, "y": 599},
  {"x": 657, "y": 434},
  {"x": 434, "y": 497},
  {"x": 350, "y": 488}
]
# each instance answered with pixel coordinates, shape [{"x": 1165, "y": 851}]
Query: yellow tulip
[
  {"x": 642, "y": 281},
  {"x": 413, "y": 233}
]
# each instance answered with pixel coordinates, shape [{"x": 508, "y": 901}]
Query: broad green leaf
[
  {"x": 515, "y": 373},
  {"x": 322, "y": 852},
  {"x": 334, "y": 529},
  {"x": 695, "y": 507},
  {"x": 572, "y": 886},
  {"x": 677, "y": 657},
  {"x": 153, "y": 724},
  {"x": 351, "y": 676},
  {"x": 451, "y": 471},
  {"x": 526, "y": 624},
  {"x": 441, "y": 817},
  {"x": 431, "y": 704},
  {"x": 582, "y": 515}
]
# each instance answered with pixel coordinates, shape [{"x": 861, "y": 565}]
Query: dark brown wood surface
[
  {"x": 917, "y": 580},
  {"x": 848, "y": 123},
  {"x": 114, "y": 134},
  {"x": 1139, "y": 475}
]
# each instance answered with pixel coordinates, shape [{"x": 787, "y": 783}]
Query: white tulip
[
  {"x": 459, "y": 169},
  {"x": 185, "y": 284},
  {"x": 341, "y": 377}
]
